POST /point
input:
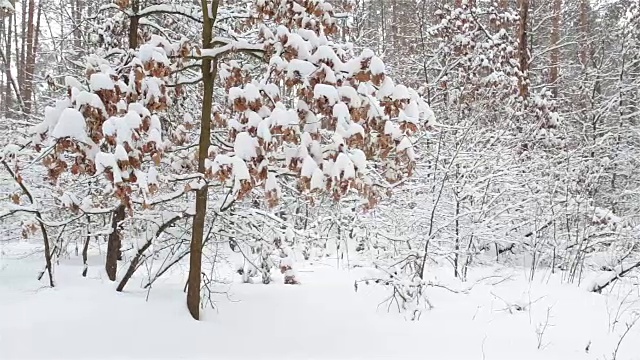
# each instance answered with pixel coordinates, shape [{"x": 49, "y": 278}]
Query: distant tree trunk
[
  {"x": 395, "y": 44},
  {"x": 382, "y": 40},
  {"x": 523, "y": 48},
  {"x": 7, "y": 92},
  {"x": 23, "y": 35},
  {"x": 555, "y": 52},
  {"x": 209, "y": 68},
  {"x": 134, "y": 22},
  {"x": 585, "y": 10},
  {"x": 114, "y": 242},
  {"x": 33, "y": 28},
  {"x": 76, "y": 11}
]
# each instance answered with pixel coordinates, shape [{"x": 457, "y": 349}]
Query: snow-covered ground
[{"x": 323, "y": 318}]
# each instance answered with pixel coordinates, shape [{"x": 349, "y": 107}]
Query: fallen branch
[{"x": 598, "y": 288}]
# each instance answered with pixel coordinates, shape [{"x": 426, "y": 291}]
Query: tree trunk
[
  {"x": 23, "y": 35},
  {"x": 134, "y": 22},
  {"x": 85, "y": 250},
  {"x": 555, "y": 40},
  {"x": 523, "y": 49},
  {"x": 7, "y": 93},
  {"x": 584, "y": 31},
  {"x": 209, "y": 67},
  {"x": 76, "y": 11},
  {"x": 113, "y": 245},
  {"x": 33, "y": 28}
]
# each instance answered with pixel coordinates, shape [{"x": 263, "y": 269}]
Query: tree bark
[
  {"x": 113, "y": 245},
  {"x": 85, "y": 250},
  {"x": 7, "y": 94},
  {"x": 585, "y": 9},
  {"x": 209, "y": 68},
  {"x": 523, "y": 49},
  {"x": 33, "y": 28},
  {"x": 76, "y": 11},
  {"x": 134, "y": 22},
  {"x": 23, "y": 35},
  {"x": 555, "y": 52}
]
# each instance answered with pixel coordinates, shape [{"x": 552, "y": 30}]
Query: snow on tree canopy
[
  {"x": 5, "y": 5},
  {"x": 377, "y": 66},
  {"x": 100, "y": 81},
  {"x": 400, "y": 92},
  {"x": 313, "y": 101},
  {"x": 71, "y": 124},
  {"x": 70, "y": 81},
  {"x": 87, "y": 98},
  {"x": 328, "y": 91},
  {"x": 106, "y": 161},
  {"x": 148, "y": 52},
  {"x": 309, "y": 166},
  {"x": 112, "y": 127},
  {"x": 300, "y": 68},
  {"x": 245, "y": 146}
]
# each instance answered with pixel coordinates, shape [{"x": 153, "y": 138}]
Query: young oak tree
[{"x": 314, "y": 115}]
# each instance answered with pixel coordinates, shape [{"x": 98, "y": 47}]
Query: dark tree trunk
[
  {"x": 209, "y": 67},
  {"x": 113, "y": 246},
  {"x": 523, "y": 48},
  {"x": 134, "y": 22}
]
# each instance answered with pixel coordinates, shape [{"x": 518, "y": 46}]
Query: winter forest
[{"x": 320, "y": 179}]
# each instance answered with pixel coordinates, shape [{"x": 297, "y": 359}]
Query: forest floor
[{"x": 322, "y": 318}]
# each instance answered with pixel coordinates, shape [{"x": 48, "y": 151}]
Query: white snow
[
  {"x": 88, "y": 98},
  {"x": 392, "y": 129},
  {"x": 235, "y": 93},
  {"x": 376, "y": 66},
  {"x": 251, "y": 92},
  {"x": 355, "y": 128},
  {"x": 328, "y": 91},
  {"x": 386, "y": 89},
  {"x": 325, "y": 53},
  {"x": 410, "y": 113},
  {"x": 343, "y": 166},
  {"x": 348, "y": 92},
  {"x": 272, "y": 90},
  {"x": 121, "y": 153},
  {"x": 301, "y": 67},
  {"x": 108, "y": 161},
  {"x": 100, "y": 81},
  {"x": 323, "y": 318},
  {"x": 309, "y": 166},
  {"x": 71, "y": 124},
  {"x": 404, "y": 144},
  {"x": 400, "y": 92},
  {"x": 70, "y": 81},
  {"x": 264, "y": 130},
  {"x": 245, "y": 146},
  {"x": 152, "y": 175},
  {"x": 149, "y": 52},
  {"x": 341, "y": 112},
  {"x": 140, "y": 109},
  {"x": 240, "y": 170},
  {"x": 359, "y": 159},
  {"x": 317, "y": 179},
  {"x": 5, "y": 5},
  {"x": 271, "y": 183}
]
